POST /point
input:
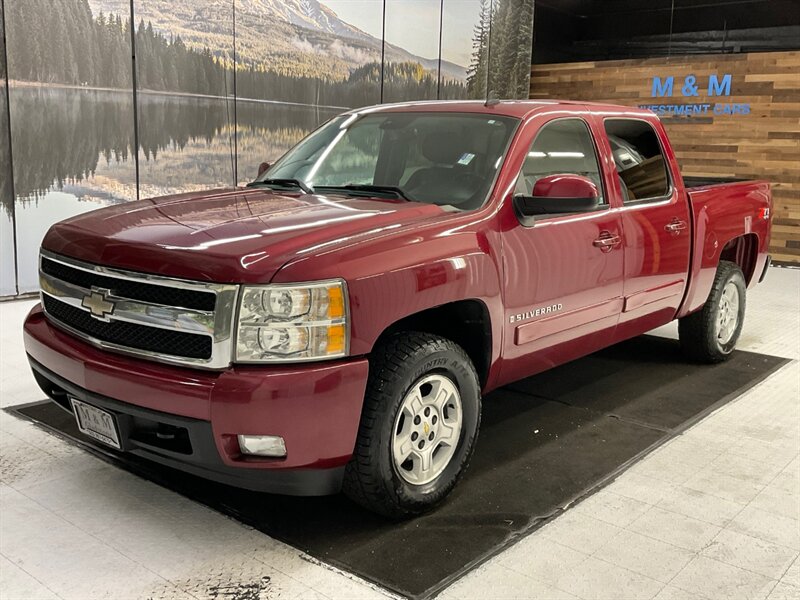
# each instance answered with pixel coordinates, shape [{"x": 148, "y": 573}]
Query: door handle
[
  {"x": 607, "y": 241},
  {"x": 675, "y": 226}
]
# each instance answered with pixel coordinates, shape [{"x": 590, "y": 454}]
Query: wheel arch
[
  {"x": 466, "y": 322},
  {"x": 742, "y": 251}
]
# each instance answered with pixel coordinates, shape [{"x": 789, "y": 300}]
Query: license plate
[{"x": 96, "y": 423}]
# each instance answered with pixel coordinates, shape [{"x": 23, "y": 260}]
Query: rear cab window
[{"x": 639, "y": 160}]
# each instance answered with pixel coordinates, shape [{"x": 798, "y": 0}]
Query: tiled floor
[{"x": 713, "y": 514}]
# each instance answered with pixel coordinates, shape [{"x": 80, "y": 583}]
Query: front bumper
[{"x": 315, "y": 408}]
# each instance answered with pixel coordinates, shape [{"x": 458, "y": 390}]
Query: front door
[{"x": 562, "y": 273}]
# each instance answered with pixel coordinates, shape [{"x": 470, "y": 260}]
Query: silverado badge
[{"x": 535, "y": 312}]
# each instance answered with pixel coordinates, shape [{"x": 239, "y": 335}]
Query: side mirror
[
  {"x": 559, "y": 194},
  {"x": 262, "y": 168}
]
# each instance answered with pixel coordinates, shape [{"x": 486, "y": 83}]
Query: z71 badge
[{"x": 535, "y": 313}]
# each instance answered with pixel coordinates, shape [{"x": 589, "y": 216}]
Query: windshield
[{"x": 435, "y": 158}]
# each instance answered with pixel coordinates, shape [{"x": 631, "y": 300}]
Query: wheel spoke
[
  {"x": 448, "y": 434},
  {"x": 425, "y": 462},
  {"x": 441, "y": 399},
  {"x": 403, "y": 448},
  {"x": 414, "y": 403},
  {"x": 406, "y": 414}
]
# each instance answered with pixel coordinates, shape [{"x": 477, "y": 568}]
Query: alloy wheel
[
  {"x": 728, "y": 313},
  {"x": 427, "y": 429}
]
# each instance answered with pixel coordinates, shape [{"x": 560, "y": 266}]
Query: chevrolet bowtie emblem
[{"x": 98, "y": 304}]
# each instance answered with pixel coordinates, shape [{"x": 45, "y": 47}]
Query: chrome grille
[
  {"x": 158, "y": 318},
  {"x": 137, "y": 337},
  {"x": 133, "y": 290}
]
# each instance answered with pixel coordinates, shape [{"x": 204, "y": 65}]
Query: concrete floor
[{"x": 715, "y": 513}]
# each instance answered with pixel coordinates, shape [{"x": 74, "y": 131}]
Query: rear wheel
[
  {"x": 418, "y": 427},
  {"x": 710, "y": 334}
]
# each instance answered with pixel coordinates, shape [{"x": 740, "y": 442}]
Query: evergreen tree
[
  {"x": 501, "y": 46},
  {"x": 476, "y": 72}
]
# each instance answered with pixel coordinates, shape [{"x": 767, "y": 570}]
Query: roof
[{"x": 512, "y": 108}]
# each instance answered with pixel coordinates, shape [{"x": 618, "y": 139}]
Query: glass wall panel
[
  {"x": 509, "y": 54},
  {"x": 464, "y": 43},
  {"x": 8, "y": 281},
  {"x": 71, "y": 116},
  {"x": 411, "y": 65},
  {"x": 318, "y": 60},
  {"x": 184, "y": 58}
]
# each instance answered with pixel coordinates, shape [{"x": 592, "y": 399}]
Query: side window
[
  {"x": 563, "y": 146},
  {"x": 640, "y": 163}
]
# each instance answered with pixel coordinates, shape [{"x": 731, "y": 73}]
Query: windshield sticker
[{"x": 466, "y": 158}]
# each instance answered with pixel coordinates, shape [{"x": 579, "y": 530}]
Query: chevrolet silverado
[{"x": 334, "y": 324}]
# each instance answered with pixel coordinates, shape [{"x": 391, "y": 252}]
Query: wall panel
[
  {"x": 412, "y": 26},
  {"x": 327, "y": 64},
  {"x": 510, "y": 48},
  {"x": 8, "y": 279},
  {"x": 71, "y": 117},
  {"x": 184, "y": 61},
  {"x": 464, "y": 28},
  {"x": 762, "y": 144}
]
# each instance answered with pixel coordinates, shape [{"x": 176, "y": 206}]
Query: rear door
[
  {"x": 563, "y": 273},
  {"x": 656, "y": 224}
]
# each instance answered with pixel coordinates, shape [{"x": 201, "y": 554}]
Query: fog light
[{"x": 262, "y": 445}]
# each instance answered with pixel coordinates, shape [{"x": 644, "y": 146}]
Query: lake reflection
[{"x": 73, "y": 152}]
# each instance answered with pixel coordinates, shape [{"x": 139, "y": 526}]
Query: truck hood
[{"x": 227, "y": 236}]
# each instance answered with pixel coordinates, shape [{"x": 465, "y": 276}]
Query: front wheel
[
  {"x": 710, "y": 334},
  {"x": 418, "y": 427}
]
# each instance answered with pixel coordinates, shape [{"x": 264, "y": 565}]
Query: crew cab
[{"x": 334, "y": 324}]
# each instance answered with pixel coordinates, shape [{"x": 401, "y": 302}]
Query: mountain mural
[
  {"x": 300, "y": 38},
  {"x": 76, "y": 144},
  {"x": 308, "y": 14}
]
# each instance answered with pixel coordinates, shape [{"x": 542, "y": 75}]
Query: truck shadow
[{"x": 544, "y": 442}]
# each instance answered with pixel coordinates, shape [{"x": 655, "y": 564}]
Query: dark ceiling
[
  {"x": 566, "y": 30},
  {"x": 740, "y": 14}
]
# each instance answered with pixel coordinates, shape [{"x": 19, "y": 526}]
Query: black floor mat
[{"x": 544, "y": 442}]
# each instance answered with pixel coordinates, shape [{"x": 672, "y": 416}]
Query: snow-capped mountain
[
  {"x": 308, "y": 14},
  {"x": 297, "y": 37}
]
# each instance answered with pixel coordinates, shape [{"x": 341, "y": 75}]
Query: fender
[
  {"x": 418, "y": 269},
  {"x": 716, "y": 225}
]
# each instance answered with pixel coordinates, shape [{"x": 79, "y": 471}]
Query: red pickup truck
[{"x": 333, "y": 325}]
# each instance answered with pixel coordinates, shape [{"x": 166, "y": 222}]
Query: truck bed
[
  {"x": 695, "y": 182},
  {"x": 722, "y": 210}
]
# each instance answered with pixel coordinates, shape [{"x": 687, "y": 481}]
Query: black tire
[
  {"x": 371, "y": 478},
  {"x": 698, "y": 331}
]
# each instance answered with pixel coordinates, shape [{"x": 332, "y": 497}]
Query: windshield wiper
[
  {"x": 294, "y": 183},
  {"x": 366, "y": 189}
]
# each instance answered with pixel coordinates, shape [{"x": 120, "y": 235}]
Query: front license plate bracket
[{"x": 97, "y": 423}]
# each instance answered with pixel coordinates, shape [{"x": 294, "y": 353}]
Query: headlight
[{"x": 285, "y": 323}]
